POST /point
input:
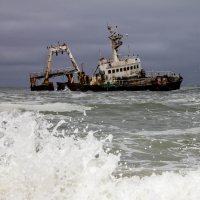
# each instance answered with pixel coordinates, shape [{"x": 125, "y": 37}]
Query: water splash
[{"x": 38, "y": 161}]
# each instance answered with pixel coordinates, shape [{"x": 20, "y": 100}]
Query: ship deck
[{"x": 53, "y": 73}]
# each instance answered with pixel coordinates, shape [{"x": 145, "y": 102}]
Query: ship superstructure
[{"x": 119, "y": 67}]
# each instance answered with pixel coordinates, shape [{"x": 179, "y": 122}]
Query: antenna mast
[
  {"x": 129, "y": 52},
  {"x": 115, "y": 41}
]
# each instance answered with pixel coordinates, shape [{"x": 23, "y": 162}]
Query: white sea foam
[
  {"x": 36, "y": 163},
  {"x": 195, "y": 130},
  {"x": 50, "y": 107}
]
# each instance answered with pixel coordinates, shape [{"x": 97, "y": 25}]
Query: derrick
[{"x": 50, "y": 73}]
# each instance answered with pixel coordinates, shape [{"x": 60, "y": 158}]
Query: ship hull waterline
[
  {"x": 102, "y": 88},
  {"x": 42, "y": 88}
]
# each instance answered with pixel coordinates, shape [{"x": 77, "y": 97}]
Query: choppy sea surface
[{"x": 107, "y": 146}]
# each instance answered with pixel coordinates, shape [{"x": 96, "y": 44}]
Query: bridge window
[
  {"x": 124, "y": 68},
  {"x": 117, "y": 70},
  {"x": 113, "y": 71},
  {"x": 127, "y": 68},
  {"x": 120, "y": 69},
  {"x": 109, "y": 71}
]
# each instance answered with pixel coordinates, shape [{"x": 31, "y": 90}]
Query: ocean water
[{"x": 100, "y": 146}]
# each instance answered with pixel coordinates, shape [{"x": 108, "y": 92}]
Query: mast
[{"x": 115, "y": 41}]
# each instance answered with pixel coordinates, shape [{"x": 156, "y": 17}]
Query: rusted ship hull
[
  {"x": 168, "y": 87},
  {"x": 49, "y": 87},
  {"x": 126, "y": 86}
]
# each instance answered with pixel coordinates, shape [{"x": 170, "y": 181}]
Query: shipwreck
[{"x": 118, "y": 73}]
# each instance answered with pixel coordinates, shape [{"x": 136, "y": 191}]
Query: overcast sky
[{"x": 165, "y": 34}]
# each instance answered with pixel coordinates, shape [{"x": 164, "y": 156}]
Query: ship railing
[
  {"x": 121, "y": 58},
  {"x": 161, "y": 73},
  {"x": 127, "y": 57},
  {"x": 61, "y": 70},
  {"x": 52, "y": 72},
  {"x": 138, "y": 82},
  {"x": 36, "y": 74}
]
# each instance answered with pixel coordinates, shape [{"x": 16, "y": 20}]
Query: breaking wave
[{"x": 39, "y": 160}]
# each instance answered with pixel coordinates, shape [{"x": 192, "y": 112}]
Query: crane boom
[
  {"x": 72, "y": 59},
  {"x": 62, "y": 48}
]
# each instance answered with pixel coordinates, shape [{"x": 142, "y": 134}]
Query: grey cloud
[{"x": 166, "y": 34}]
